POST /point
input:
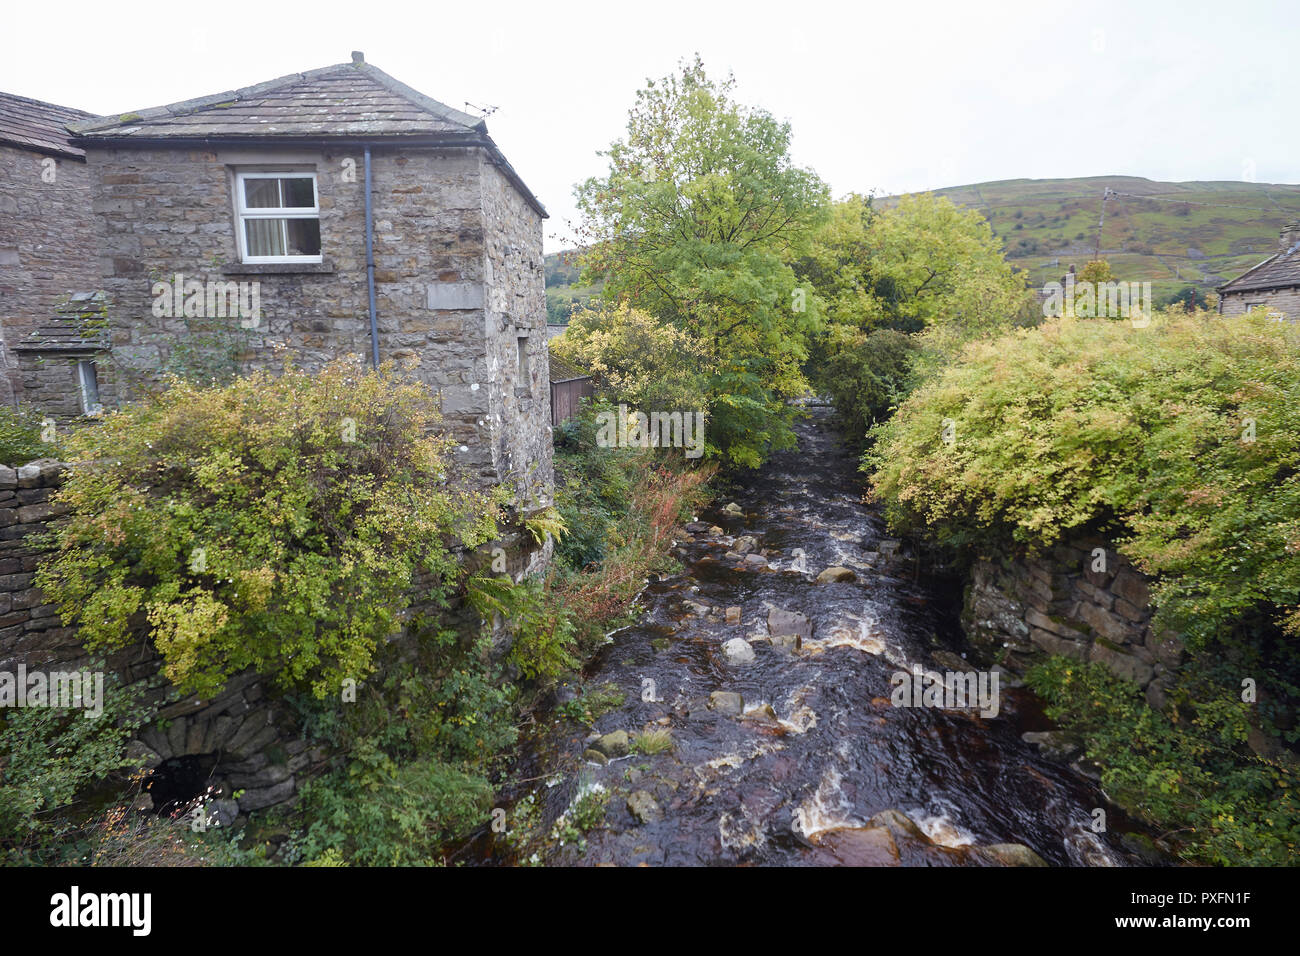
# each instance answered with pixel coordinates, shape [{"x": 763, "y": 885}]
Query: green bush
[
  {"x": 867, "y": 381},
  {"x": 20, "y": 436},
  {"x": 419, "y": 747},
  {"x": 1182, "y": 438},
  {"x": 279, "y": 522},
  {"x": 1195, "y": 779},
  {"x": 48, "y": 755}
]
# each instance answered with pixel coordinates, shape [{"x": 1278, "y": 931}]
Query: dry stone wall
[{"x": 1082, "y": 600}]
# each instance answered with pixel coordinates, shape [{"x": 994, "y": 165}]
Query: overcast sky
[{"x": 897, "y": 96}]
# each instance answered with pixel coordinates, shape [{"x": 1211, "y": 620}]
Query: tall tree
[{"x": 694, "y": 222}]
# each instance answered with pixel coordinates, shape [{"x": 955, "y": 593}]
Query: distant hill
[
  {"x": 1171, "y": 234},
  {"x": 562, "y": 290}
]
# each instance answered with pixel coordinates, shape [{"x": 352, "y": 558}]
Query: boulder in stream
[
  {"x": 738, "y": 651},
  {"x": 788, "y": 627},
  {"x": 836, "y": 573},
  {"x": 642, "y": 806},
  {"x": 614, "y": 744},
  {"x": 727, "y": 702},
  {"x": 1012, "y": 854}
]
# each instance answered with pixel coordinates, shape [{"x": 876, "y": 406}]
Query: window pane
[
  {"x": 265, "y": 237},
  {"x": 304, "y": 237},
  {"x": 299, "y": 193},
  {"x": 262, "y": 193}
]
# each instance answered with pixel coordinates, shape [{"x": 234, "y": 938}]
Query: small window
[
  {"x": 88, "y": 383},
  {"x": 522, "y": 376},
  {"x": 279, "y": 217}
]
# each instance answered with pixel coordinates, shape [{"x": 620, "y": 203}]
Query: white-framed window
[
  {"x": 88, "y": 385},
  {"x": 279, "y": 216}
]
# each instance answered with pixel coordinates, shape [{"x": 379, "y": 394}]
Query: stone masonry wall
[
  {"x": 168, "y": 211},
  {"x": 250, "y": 738},
  {"x": 1286, "y": 301},
  {"x": 1055, "y": 603},
  {"x": 46, "y": 245},
  {"x": 516, "y": 309}
]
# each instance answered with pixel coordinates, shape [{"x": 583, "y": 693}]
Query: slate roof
[
  {"x": 77, "y": 326},
  {"x": 347, "y": 101},
  {"x": 1280, "y": 271},
  {"x": 32, "y": 124},
  {"x": 562, "y": 370}
]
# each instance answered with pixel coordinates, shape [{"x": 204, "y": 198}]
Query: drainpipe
[{"x": 370, "y": 269}]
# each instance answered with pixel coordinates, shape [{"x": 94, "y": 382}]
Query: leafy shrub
[
  {"x": 420, "y": 746},
  {"x": 20, "y": 436},
  {"x": 867, "y": 381},
  {"x": 279, "y": 522},
  {"x": 1183, "y": 438},
  {"x": 1195, "y": 779},
  {"x": 48, "y": 755}
]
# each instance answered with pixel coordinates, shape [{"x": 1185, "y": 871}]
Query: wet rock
[
  {"x": 889, "y": 547},
  {"x": 788, "y": 627},
  {"x": 1012, "y": 854},
  {"x": 595, "y": 756},
  {"x": 734, "y": 509},
  {"x": 738, "y": 651},
  {"x": 733, "y": 615},
  {"x": 223, "y": 812},
  {"x": 642, "y": 806},
  {"x": 1087, "y": 768},
  {"x": 745, "y": 543},
  {"x": 1051, "y": 744},
  {"x": 1144, "y": 848},
  {"x": 695, "y": 607},
  {"x": 836, "y": 573},
  {"x": 756, "y": 559},
  {"x": 950, "y": 661},
  {"x": 715, "y": 530},
  {"x": 614, "y": 744},
  {"x": 859, "y": 846},
  {"x": 899, "y": 824},
  {"x": 727, "y": 702}
]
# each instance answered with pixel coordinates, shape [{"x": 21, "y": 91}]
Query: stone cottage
[
  {"x": 46, "y": 243},
  {"x": 328, "y": 213},
  {"x": 1274, "y": 283}
]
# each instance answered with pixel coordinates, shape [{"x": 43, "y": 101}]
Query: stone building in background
[
  {"x": 46, "y": 238},
  {"x": 218, "y": 235},
  {"x": 1273, "y": 284}
]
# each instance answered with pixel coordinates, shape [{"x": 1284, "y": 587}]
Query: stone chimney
[
  {"x": 358, "y": 57},
  {"x": 1290, "y": 235}
]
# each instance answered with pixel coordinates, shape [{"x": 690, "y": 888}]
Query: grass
[
  {"x": 1163, "y": 237},
  {"x": 651, "y": 741}
]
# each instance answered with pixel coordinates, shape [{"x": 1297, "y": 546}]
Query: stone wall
[
  {"x": 450, "y": 233},
  {"x": 1286, "y": 301},
  {"x": 1056, "y": 603},
  {"x": 245, "y": 739},
  {"x": 46, "y": 244}
]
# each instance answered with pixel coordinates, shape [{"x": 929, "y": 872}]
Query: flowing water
[{"x": 818, "y": 749}]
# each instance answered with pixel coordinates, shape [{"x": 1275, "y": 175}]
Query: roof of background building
[
  {"x": 1277, "y": 272},
  {"x": 563, "y": 370},
  {"x": 42, "y": 127}
]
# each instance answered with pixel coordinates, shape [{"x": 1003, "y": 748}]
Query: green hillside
[{"x": 1172, "y": 234}]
